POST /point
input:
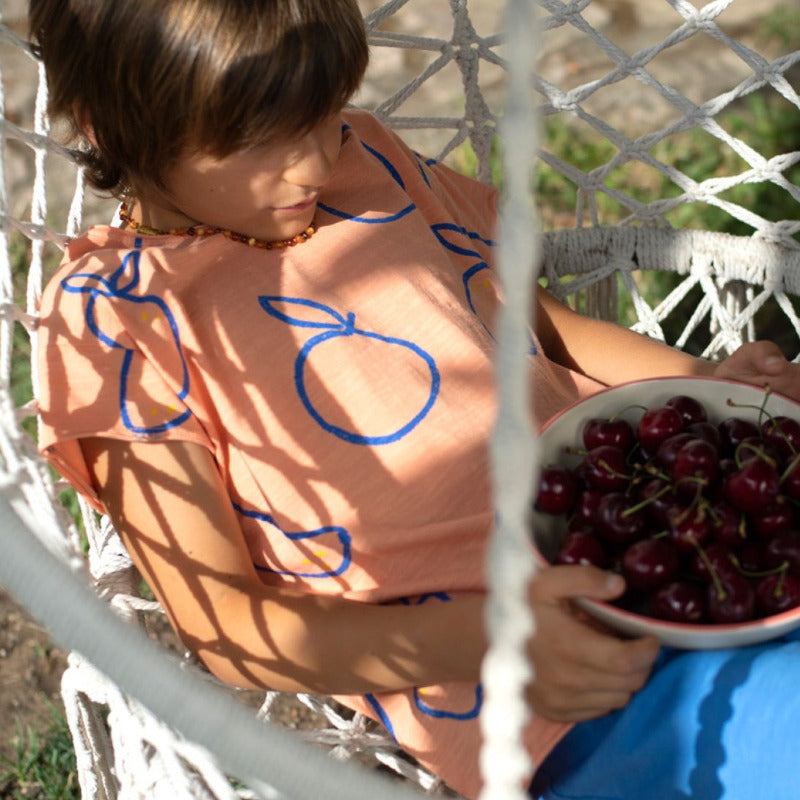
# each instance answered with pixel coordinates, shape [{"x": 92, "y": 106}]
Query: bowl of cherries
[{"x": 688, "y": 487}]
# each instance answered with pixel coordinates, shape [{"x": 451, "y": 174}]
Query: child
[{"x": 276, "y": 376}]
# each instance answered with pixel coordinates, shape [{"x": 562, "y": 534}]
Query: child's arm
[
  {"x": 613, "y": 354},
  {"x": 171, "y": 509}
]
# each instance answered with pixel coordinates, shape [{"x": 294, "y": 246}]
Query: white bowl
[{"x": 565, "y": 430}]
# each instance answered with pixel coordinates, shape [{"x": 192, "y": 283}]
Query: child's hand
[
  {"x": 581, "y": 671},
  {"x": 762, "y": 363}
]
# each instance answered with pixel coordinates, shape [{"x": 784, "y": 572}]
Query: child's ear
[{"x": 84, "y": 123}]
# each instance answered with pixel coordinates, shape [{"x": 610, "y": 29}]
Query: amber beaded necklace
[{"x": 208, "y": 230}]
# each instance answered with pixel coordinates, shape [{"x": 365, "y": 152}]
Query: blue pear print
[
  {"x": 332, "y": 557},
  {"x": 115, "y": 290},
  {"x": 334, "y": 326},
  {"x": 427, "y": 704}
]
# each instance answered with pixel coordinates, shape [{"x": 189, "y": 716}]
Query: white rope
[{"x": 506, "y": 670}]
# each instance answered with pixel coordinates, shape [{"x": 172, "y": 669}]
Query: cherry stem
[
  {"x": 781, "y": 568},
  {"x": 686, "y": 511},
  {"x": 792, "y": 464},
  {"x": 610, "y": 470},
  {"x": 656, "y": 472},
  {"x": 639, "y": 506},
  {"x": 753, "y": 448},
  {"x": 761, "y": 409},
  {"x": 715, "y": 518},
  {"x": 718, "y": 587},
  {"x": 700, "y": 484}
]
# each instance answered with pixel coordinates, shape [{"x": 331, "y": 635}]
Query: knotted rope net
[{"x": 640, "y": 225}]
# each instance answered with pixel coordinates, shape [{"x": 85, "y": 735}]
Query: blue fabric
[{"x": 709, "y": 725}]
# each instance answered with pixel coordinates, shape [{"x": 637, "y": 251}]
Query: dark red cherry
[
  {"x": 656, "y": 425},
  {"x": 754, "y": 485},
  {"x": 778, "y": 516},
  {"x": 732, "y": 430},
  {"x": 728, "y": 524},
  {"x": 650, "y": 563},
  {"x": 656, "y": 496},
  {"x": 617, "y": 523},
  {"x": 605, "y": 468},
  {"x": 790, "y": 481},
  {"x": 614, "y": 432},
  {"x": 731, "y": 599},
  {"x": 777, "y": 593},
  {"x": 558, "y": 490},
  {"x": 756, "y": 447},
  {"x": 712, "y": 559},
  {"x": 690, "y": 409},
  {"x": 680, "y": 601},
  {"x": 668, "y": 449},
  {"x": 705, "y": 430},
  {"x": 585, "y": 509},
  {"x": 783, "y": 433},
  {"x": 784, "y": 548},
  {"x": 580, "y": 547},
  {"x": 752, "y": 556},
  {"x": 696, "y": 466},
  {"x": 689, "y": 527}
]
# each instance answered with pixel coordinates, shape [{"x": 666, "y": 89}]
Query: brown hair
[{"x": 158, "y": 77}]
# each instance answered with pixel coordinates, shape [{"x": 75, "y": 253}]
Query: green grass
[{"x": 42, "y": 765}]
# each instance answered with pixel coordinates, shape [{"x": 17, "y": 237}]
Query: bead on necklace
[{"x": 209, "y": 230}]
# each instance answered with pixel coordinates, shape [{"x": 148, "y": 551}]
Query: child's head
[{"x": 152, "y": 79}]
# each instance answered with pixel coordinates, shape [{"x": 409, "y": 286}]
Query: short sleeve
[
  {"x": 472, "y": 202},
  {"x": 110, "y": 363}
]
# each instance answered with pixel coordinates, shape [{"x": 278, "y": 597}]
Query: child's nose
[{"x": 313, "y": 163}]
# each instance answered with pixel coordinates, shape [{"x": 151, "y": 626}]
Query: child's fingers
[
  {"x": 762, "y": 363},
  {"x": 752, "y": 360},
  {"x": 581, "y": 672},
  {"x": 589, "y": 655},
  {"x": 556, "y": 584}
]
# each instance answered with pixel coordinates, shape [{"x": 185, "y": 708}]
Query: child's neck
[{"x": 159, "y": 216}]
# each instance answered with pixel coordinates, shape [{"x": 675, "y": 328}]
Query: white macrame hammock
[{"x": 123, "y": 749}]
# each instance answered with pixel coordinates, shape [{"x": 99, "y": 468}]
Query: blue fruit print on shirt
[
  {"x": 427, "y": 704},
  {"x": 118, "y": 288},
  {"x": 444, "y": 713},
  {"x": 421, "y": 164},
  {"x": 341, "y": 547},
  {"x": 458, "y": 239},
  {"x": 333, "y": 325},
  {"x": 428, "y": 710},
  {"x": 423, "y": 598},
  {"x": 396, "y": 177}
]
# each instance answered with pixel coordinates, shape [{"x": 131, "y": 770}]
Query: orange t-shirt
[{"x": 344, "y": 386}]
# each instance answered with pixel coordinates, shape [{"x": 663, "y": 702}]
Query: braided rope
[{"x": 506, "y": 669}]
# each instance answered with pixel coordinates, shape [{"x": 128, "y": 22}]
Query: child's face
[{"x": 268, "y": 192}]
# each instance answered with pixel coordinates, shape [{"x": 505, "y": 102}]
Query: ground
[{"x": 30, "y": 671}]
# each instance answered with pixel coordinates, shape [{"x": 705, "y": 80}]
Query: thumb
[
  {"x": 553, "y": 584},
  {"x": 765, "y": 356}
]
